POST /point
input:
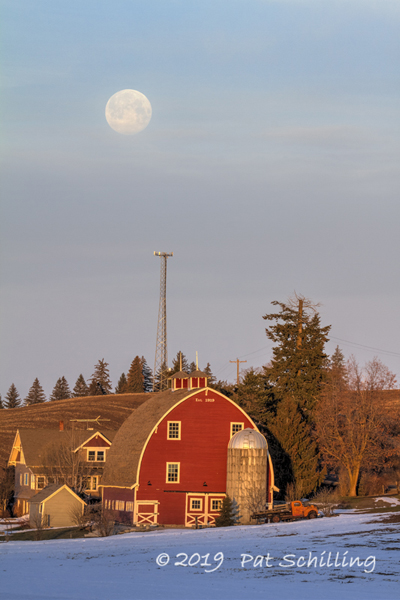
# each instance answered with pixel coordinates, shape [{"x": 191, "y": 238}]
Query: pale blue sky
[{"x": 271, "y": 164}]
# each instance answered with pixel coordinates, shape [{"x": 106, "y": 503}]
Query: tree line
[{"x": 139, "y": 379}]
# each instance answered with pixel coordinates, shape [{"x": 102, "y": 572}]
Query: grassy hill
[{"x": 115, "y": 407}]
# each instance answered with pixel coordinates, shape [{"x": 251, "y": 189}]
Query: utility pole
[
  {"x": 161, "y": 358},
  {"x": 237, "y": 361}
]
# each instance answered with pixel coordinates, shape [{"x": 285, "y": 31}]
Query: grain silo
[{"x": 246, "y": 480}]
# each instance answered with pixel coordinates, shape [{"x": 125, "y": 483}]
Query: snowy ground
[{"x": 265, "y": 561}]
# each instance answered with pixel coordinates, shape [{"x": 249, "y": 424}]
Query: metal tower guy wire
[{"x": 161, "y": 359}]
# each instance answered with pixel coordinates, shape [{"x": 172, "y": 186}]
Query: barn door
[{"x": 147, "y": 512}]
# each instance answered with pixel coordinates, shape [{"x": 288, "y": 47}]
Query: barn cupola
[
  {"x": 179, "y": 380},
  {"x": 197, "y": 379}
]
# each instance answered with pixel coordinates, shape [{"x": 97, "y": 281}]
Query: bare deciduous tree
[
  {"x": 253, "y": 499},
  {"x": 62, "y": 464},
  {"x": 355, "y": 427}
]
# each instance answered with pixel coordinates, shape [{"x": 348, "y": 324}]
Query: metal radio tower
[{"x": 161, "y": 360}]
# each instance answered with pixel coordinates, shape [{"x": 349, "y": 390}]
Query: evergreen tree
[
  {"x": 81, "y": 389},
  {"x": 176, "y": 362},
  {"x": 161, "y": 376},
  {"x": 13, "y": 397},
  {"x": 36, "y": 394},
  {"x": 294, "y": 380},
  {"x": 135, "y": 379},
  {"x": 251, "y": 395},
  {"x": 61, "y": 390},
  {"x": 296, "y": 458},
  {"x": 298, "y": 365},
  {"x": 337, "y": 378},
  {"x": 228, "y": 389},
  {"x": 147, "y": 376},
  {"x": 227, "y": 517},
  {"x": 100, "y": 382},
  {"x": 210, "y": 377},
  {"x": 192, "y": 367},
  {"x": 122, "y": 385}
]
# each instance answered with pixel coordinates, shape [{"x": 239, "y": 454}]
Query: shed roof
[
  {"x": 179, "y": 375},
  {"x": 36, "y": 442},
  {"x": 51, "y": 490},
  {"x": 198, "y": 373},
  {"x": 123, "y": 458}
]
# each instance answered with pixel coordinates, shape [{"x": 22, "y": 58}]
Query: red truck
[{"x": 291, "y": 511}]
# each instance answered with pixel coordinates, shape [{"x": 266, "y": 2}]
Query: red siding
[{"x": 201, "y": 452}]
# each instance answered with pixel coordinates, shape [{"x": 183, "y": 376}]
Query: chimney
[{"x": 61, "y": 425}]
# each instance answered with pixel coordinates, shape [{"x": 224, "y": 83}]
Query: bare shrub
[
  {"x": 80, "y": 517},
  {"x": 294, "y": 491},
  {"x": 102, "y": 520},
  {"x": 38, "y": 524},
  {"x": 326, "y": 500}
]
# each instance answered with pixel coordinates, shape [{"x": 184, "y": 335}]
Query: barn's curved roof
[
  {"x": 248, "y": 438},
  {"x": 121, "y": 468}
]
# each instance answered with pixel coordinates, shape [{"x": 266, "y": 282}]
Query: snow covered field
[{"x": 301, "y": 560}]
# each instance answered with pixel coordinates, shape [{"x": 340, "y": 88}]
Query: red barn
[{"x": 168, "y": 461}]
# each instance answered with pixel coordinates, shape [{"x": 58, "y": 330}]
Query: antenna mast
[{"x": 161, "y": 359}]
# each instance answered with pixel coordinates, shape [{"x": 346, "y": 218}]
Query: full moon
[{"x": 128, "y": 112}]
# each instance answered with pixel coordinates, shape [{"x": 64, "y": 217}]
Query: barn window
[
  {"x": 235, "y": 427},
  {"x": 174, "y": 430},
  {"x": 129, "y": 507},
  {"x": 173, "y": 472},
  {"x": 120, "y": 505},
  {"x": 195, "y": 504},
  {"x": 216, "y": 504}
]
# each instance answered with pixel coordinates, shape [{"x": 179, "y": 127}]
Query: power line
[
  {"x": 363, "y": 346},
  {"x": 237, "y": 361}
]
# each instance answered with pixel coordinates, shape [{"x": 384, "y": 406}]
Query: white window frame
[
  {"x": 33, "y": 482},
  {"x": 129, "y": 506},
  {"x": 178, "y": 464},
  {"x": 233, "y": 424},
  {"x": 178, "y": 437},
  {"x": 192, "y": 509},
  {"x": 26, "y": 479},
  {"x": 219, "y": 501},
  {"x": 96, "y": 455}
]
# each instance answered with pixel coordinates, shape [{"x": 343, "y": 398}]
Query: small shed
[{"x": 55, "y": 506}]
